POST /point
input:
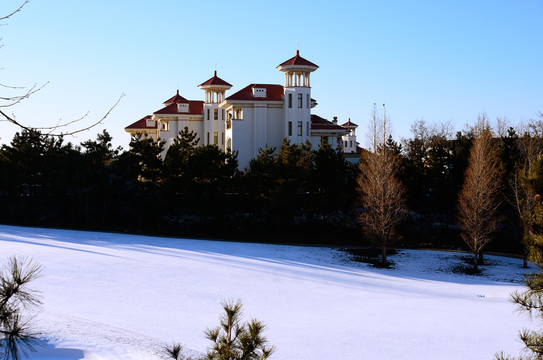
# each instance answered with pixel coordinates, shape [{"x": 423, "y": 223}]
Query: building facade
[{"x": 257, "y": 116}]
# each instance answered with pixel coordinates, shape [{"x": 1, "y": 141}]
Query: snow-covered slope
[{"x": 113, "y": 296}]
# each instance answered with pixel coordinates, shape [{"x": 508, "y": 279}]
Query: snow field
[{"x": 114, "y": 296}]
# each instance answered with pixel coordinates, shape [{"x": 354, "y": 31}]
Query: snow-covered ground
[{"x": 114, "y": 296}]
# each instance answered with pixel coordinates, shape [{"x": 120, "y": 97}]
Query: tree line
[
  {"x": 192, "y": 190},
  {"x": 292, "y": 193}
]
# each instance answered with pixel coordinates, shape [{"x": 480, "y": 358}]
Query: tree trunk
[
  {"x": 481, "y": 259},
  {"x": 384, "y": 255},
  {"x": 525, "y": 258},
  {"x": 475, "y": 261}
]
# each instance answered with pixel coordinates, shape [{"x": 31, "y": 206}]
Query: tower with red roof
[
  {"x": 297, "y": 96},
  {"x": 350, "y": 144},
  {"x": 214, "y": 117}
]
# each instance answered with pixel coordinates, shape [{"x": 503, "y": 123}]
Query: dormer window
[
  {"x": 259, "y": 92},
  {"x": 150, "y": 123},
  {"x": 183, "y": 108}
]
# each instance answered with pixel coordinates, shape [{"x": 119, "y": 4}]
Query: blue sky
[{"x": 436, "y": 60}]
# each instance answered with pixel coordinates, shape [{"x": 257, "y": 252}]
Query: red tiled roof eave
[
  {"x": 349, "y": 124},
  {"x": 328, "y": 127},
  {"x": 196, "y": 107},
  {"x": 175, "y": 99},
  {"x": 273, "y": 93},
  {"x": 297, "y": 60},
  {"x": 319, "y": 123},
  {"x": 141, "y": 124},
  {"x": 215, "y": 81}
]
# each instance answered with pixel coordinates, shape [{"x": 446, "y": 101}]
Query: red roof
[
  {"x": 298, "y": 60},
  {"x": 196, "y": 107},
  {"x": 349, "y": 124},
  {"x": 215, "y": 80},
  {"x": 175, "y": 99},
  {"x": 273, "y": 93},
  {"x": 142, "y": 124},
  {"x": 318, "y": 123}
]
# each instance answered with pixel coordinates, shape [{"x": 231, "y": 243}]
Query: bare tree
[
  {"x": 22, "y": 93},
  {"x": 479, "y": 198},
  {"x": 381, "y": 193}
]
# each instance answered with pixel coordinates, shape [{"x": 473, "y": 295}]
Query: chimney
[{"x": 335, "y": 120}]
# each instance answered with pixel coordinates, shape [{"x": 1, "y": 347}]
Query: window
[
  {"x": 216, "y": 114},
  {"x": 165, "y": 126},
  {"x": 299, "y": 128},
  {"x": 351, "y": 143},
  {"x": 215, "y": 138},
  {"x": 290, "y": 128},
  {"x": 307, "y": 128},
  {"x": 222, "y": 139},
  {"x": 223, "y": 117},
  {"x": 229, "y": 144},
  {"x": 208, "y": 117},
  {"x": 289, "y": 100},
  {"x": 307, "y": 102},
  {"x": 239, "y": 114},
  {"x": 345, "y": 143},
  {"x": 208, "y": 138},
  {"x": 299, "y": 101}
]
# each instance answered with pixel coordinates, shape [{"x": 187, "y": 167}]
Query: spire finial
[{"x": 298, "y": 47}]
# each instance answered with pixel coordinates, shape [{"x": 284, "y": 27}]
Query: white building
[{"x": 256, "y": 116}]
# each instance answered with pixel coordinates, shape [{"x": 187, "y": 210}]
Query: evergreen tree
[
  {"x": 531, "y": 301},
  {"x": 263, "y": 173},
  {"x": 15, "y": 335},
  {"x": 232, "y": 339},
  {"x": 145, "y": 153},
  {"x": 330, "y": 179},
  {"x": 177, "y": 163},
  {"x": 99, "y": 157}
]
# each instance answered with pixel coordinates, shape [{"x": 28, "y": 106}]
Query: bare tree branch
[
  {"x": 15, "y": 12},
  {"x": 12, "y": 120},
  {"x": 11, "y": 87},
  {"x": 14, "y": 100}
]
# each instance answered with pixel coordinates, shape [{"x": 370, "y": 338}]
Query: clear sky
[{"x": 436, "y": 60}]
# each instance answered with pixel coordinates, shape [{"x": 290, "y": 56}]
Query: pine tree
[
  {"x": 15, "y": 335},
  {"x": 146, "y": 154},
  {"x": 531, "y": 301},
  {"x": 232, "y": 339}
]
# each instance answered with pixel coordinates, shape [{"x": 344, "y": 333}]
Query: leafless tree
[
  {"x": 24, "y": 93},
  {"x": 479, "y": 198},
  {"x": 381, "y": 193}
]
